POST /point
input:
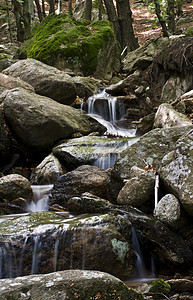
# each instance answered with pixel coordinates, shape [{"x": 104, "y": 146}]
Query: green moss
[
  {"x": 160, "y": 287},
  {"x": 3, "y": 56},
  {"x": 189, "y": 31},
  {"x": 76, "y": 42}
]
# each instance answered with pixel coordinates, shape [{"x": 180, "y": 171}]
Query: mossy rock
[
  {"x": 63, "y": 42},
  {"x": 159, "y": 288}
]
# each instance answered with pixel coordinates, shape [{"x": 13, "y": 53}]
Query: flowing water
[
  {"x": 40, "y": 198},
  {"x": 110, "y": 112}
]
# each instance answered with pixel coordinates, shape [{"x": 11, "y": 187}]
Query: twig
[{"x": 149, "y": 293}]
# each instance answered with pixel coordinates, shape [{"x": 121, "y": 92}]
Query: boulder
[
  {"x": 149, "y": 149},
  {"x": 138, "y": 190},
  {"x": 166, "y": 116},
  {"x": 175, "y": 87},
  {"x": 9, "y": 82},
  {"x": 177, "y": 172},
  {"x": 27, "y": 113},
  {"x": 84, "y": 179},
  {"x": 47, "y": 171},
  {"x": 87, "y": 47},
  {"x": 44, "y": 242},
  {"x": 88, "y": 203},
  {"x": 142, "y": 57},
  {"x": 13, "y": 186},
  {"x": 185, "y": 102},
  {"x": 67, "y": 285},
  {"x": 46, "y": 80},
  {"x": 90, "y": 149},
  {"x": 167, "y": 209},
  {"x": 86, "y": 86}
]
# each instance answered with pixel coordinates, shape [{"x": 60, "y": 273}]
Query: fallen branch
[{"x": 151, "y": 294}]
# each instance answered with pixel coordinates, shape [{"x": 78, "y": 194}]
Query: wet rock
[
  {"x": 138, "y": 190},
  {"x": 166, "y": 116},
  {"x": 13, "y": 186},
  {"x": 86, "y": 86},
  {"x": 167, "y": 209},
  {"x": 185, "y": 102},
  {"x": 9, "y": 82},
  {"x": 88, "y": 203},
  {"x": 47, "y": 171},
  {"x": 83, "y": 179},
  {"x": 150, "y": 149},
  {"x": 177, "y": 173},
  {"x": 28, "y": 112},
  {"x": 67, "y": 285},
  {"x": 46, "y": 80},
  {"x": 5, "y": 140},
  {"x": 90, "y": 149},
  {"x": 145, "y": 124},
  {"x": 50, "y": 242}
]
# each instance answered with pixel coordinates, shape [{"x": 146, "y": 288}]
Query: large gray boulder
[
  {"x": 38, "y": 122},
  {"x": 149, "y": 149},
  {"x": 44, "y": 242},
  {"x": 46, "y": 80},
  {"x": 177, "y": 172},
  {"x": 166, "y": 116},
  {"x": 83, "y": 179},
  {"x": 66, "y": 285}
]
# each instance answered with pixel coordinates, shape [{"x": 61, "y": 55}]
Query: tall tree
[{"x": 88, "y": 10}]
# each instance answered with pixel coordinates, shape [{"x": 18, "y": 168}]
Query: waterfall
[
  {"x": 142, "y": 271},
  {"x": 108, "y": 111},
  {"x": 40, "y": 198}
]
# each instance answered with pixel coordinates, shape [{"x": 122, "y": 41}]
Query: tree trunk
[
  {"x": 52, "y": 7},
  {"x": 17, "y": 10},
  {"x": 100, "y": 9},
  {"x": 171, "y": 16},
  {"x": 112, "y": 16},
  {"x": 39, "y": 10},
  {"x": 26, "y": 19},
  {"x": 70, "y": 7},
  {"x": 126, "y": 27},
  {"x": 179, "y": 10},
  {"x": 162, "y": 22},
  {"x": 8, "y": 20},
  {"x": 43, "y": 9},
  {"x": 88, "y": 10}
]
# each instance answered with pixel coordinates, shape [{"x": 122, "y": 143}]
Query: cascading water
[
  {"x": 40, "y": 198},
  {"x": 108, "y": 111}
]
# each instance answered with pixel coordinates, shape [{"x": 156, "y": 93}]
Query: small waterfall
[
  {"x": 40, "y": 198},
  {"x": 108, "y": 111},
  {"x": 142, "y": 271}
]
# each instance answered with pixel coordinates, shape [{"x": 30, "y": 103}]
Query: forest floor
[{"x": 145, "y": 24}]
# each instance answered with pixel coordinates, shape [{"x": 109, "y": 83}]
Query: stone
[
  {"x": 46, "y": 80},
  {"x": 5, "y": 140},
  {"x": 138, "y": 190},
  {"x": 67, "y": 285},
  {"x": 145, "y": 124},
  {"x": 51, "y": 242},
  {"x": 166, "y": 116},
  {"x": 150, "y": 148},
  {"x": 167, "y": 209},
  {"x": 177, "y": 173},
  {"x": 175, "y": 87},
  {"x": 28, "y": 112},
  {"x": 142, "y": 57},
  {"x": 47, "y": 171},
  {"x": 13, "y": 186},
  {"x": 83, "y": 179},
  {"x": 9, "y": 82}
]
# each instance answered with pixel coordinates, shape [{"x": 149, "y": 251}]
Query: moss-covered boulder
[
  {"x": 70, "y": 284},
  {"x": 44, "y": 242},
  {"x": 83, "y": 46}
]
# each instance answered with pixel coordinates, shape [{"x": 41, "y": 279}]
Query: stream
[{"x": 108, "y": 111}]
